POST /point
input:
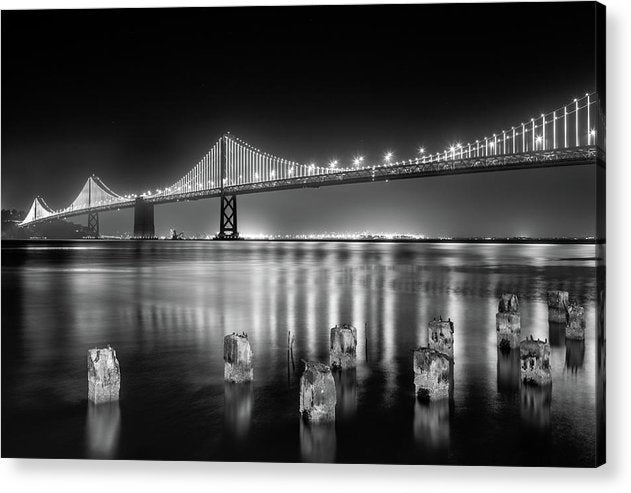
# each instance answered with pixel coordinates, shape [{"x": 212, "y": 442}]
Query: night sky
[{"x": 138, "y": 96}]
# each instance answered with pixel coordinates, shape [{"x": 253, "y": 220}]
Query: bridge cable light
[
  {"x": 588, "y": 117},
  {"x": 576, "y": 121}
]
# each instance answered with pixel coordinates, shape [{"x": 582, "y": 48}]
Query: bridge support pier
[
  {"x": 93, "y": 224},
  {"x": 144, "y": 228},
  {"x": 228, "y": 219}
]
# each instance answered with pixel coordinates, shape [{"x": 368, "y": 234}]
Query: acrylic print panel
[{"x": 352, "y": 234}]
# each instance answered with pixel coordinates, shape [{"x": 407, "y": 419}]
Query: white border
[{"x": 109, "y": 476}]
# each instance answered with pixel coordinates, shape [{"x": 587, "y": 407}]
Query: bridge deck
[{"x": 415, "y": 169}]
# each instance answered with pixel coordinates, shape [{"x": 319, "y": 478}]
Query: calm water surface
[{"x": 165, "y": 307}]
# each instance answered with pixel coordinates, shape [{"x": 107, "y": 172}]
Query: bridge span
[{"x": 569, "y": 136}]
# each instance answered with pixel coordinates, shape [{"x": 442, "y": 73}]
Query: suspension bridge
[{"x": 573, "y": 134}]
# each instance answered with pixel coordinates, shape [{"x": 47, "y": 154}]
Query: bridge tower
[
  {"x": 228, "y": 202},
  {"x": 93, "y": 217},
  {"x": 144, "y": 228},
  {"x": 93, "y": 224}
]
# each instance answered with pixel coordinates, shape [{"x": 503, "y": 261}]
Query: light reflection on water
[{"x": 165, "y": 307}]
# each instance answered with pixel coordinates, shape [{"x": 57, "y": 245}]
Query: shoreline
[{"x": 551, "y": 241}]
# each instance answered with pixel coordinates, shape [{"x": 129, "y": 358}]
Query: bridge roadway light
[{"x": 333, "y": 163}]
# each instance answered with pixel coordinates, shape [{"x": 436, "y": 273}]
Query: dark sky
[{"x": 137, "y": 96}]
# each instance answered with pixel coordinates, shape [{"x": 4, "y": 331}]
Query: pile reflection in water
[
  {"x": 574, "y": 354},
  {"x": 535, "y": 406},
  {"x": 318, "y": 442},
  {"x": 557, "y": 334},
  {"x": 238, "y": 409},
  {"x": 508, "y": 371},
  {"x": 432, "y": 426},
  {"x": 346, "y": 390},
  {"x": 103, "y": 430}
]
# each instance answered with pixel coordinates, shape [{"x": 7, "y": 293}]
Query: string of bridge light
[
  {"x": 508, "y": 141},
  {"x": 516, "y": 139},
  {"x": 202, "y": 176},
  {"x": 85, "y": 199},
  {"x": 248, "y": 164},
  {"x": 549, "y": 131}
]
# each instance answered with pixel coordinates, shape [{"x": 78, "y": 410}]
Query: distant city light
[
  {"x": 333, "y": 164},
  {"x": 421, "y": 150},
  {"x": 387, "y": 157}
]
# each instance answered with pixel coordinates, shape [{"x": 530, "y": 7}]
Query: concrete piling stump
[
  {"x": 432, "y": 374},
  {"x": 508, "y": 327},
  {"x": 535, "y": 362},
  {"x": 238, "y": 358},
  {"x": 508, "y": 323},
  {"x": 317, "y": 393},
  {"x": 441, "y": 337},
  {"x": 575, "y": 328},
  {"x": 343, "y": 347},
  {"x": 557, "y": 306},
  {"x": 104, "y": 376},
  {"x": 508, "y": 303}
]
